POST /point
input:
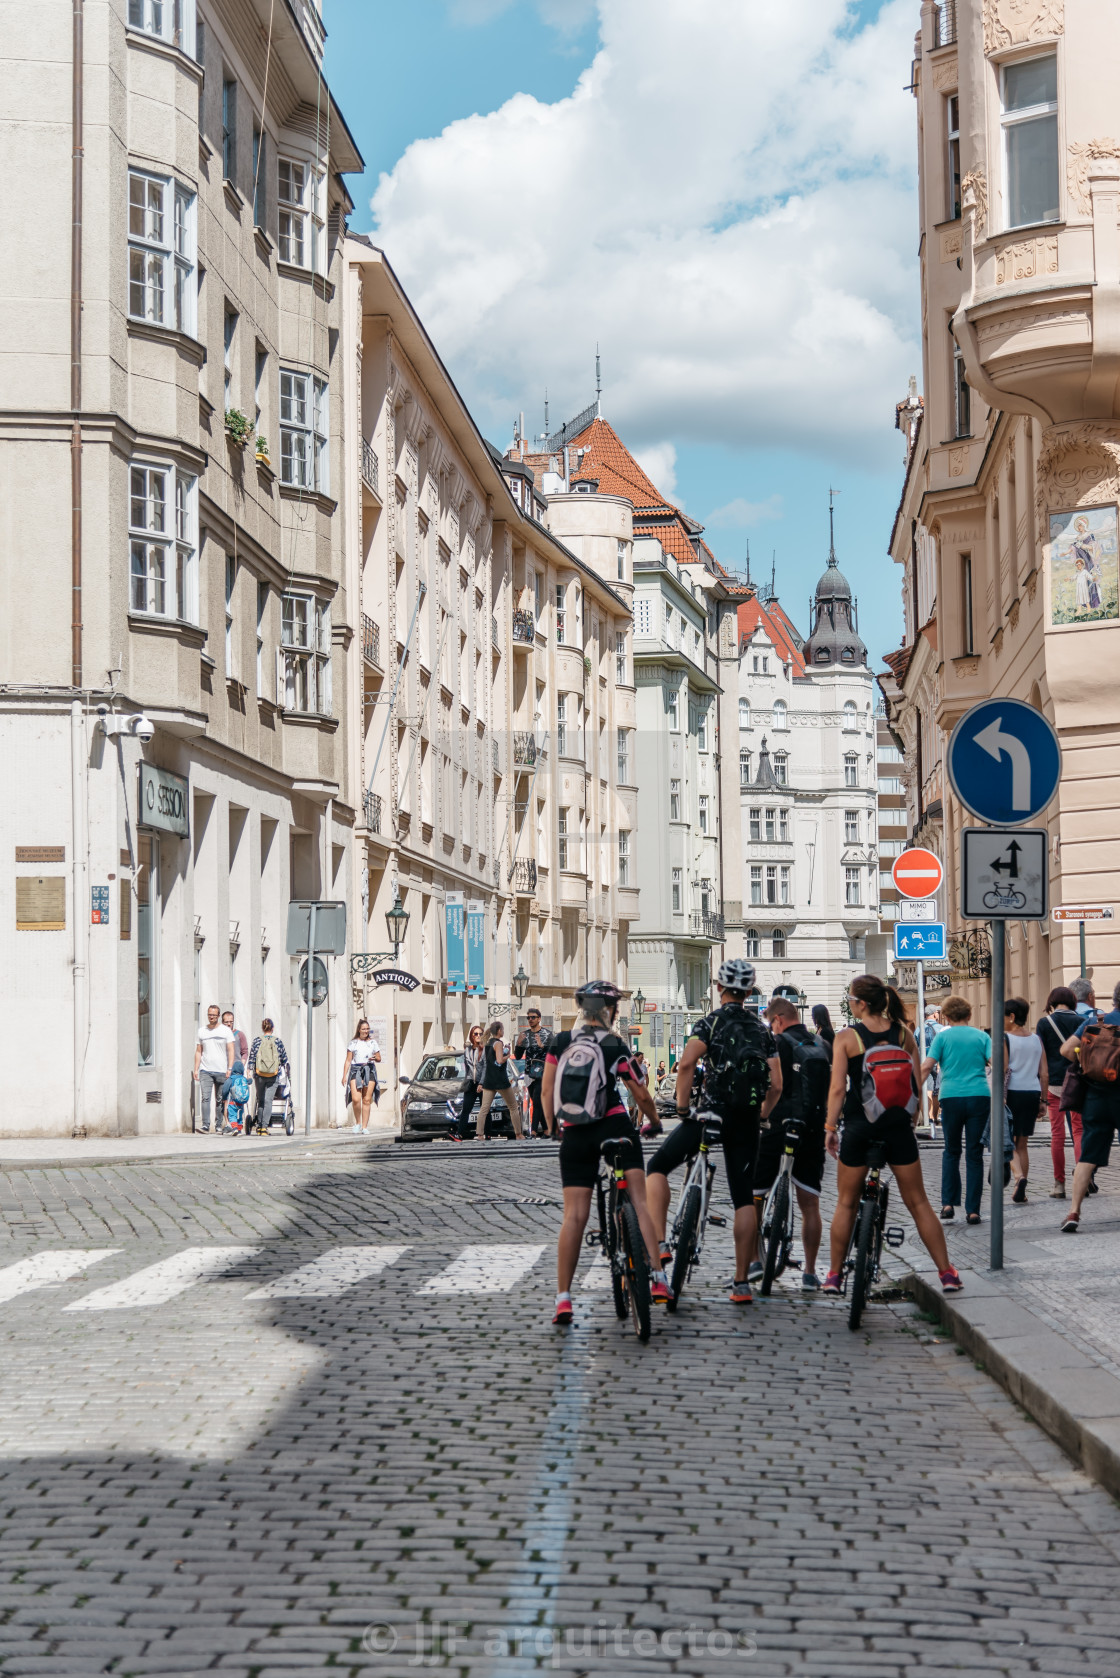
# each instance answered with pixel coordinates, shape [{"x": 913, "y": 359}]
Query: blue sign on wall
[
  {"x": 924, "y": 942},
  {"x": 1004, "y": 762},
  {"x": 455, "y": 921},
  {"x": 476, "y": 948}
]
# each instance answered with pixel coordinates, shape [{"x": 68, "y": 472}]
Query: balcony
[
  {"x": 371, "y": 642},
  {"x": 523, "y": 877},
  {"x": 703, "y": 925},
  {"x": 524, "y": 750},
  {"x": 370, "y": 475},
  {"x": 945, "y": 23},
  {"x": 372, "y": 807},
  {"x": 524, "y": 629}
]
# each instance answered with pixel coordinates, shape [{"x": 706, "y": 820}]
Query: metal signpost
[
  {"x": 1082, "y": 912},
  {"x": 1004, "y": 763},
  {"x": 314, "y": 929},
  {"x": 917, "y": 875}
]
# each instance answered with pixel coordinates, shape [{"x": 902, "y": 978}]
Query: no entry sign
[{"x": 917, "y": 873}]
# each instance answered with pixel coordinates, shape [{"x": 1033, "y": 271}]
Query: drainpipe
[
  {"x": 76, "y": 353},
  {"x": 80, "y": 905}
]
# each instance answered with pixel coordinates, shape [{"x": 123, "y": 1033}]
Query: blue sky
[{"x": 756, "y": 444}]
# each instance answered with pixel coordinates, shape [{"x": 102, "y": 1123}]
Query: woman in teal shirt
[{"x": 963, "y": 1055}]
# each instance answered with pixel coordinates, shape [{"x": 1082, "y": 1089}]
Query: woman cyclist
[{"x": 879, "y": 1018}]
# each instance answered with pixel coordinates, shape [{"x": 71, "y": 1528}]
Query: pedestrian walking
[
  {"x": 822, "y": 1020},
  {"x": 933, "y": 1024},
  {"x": 268, "y": 1058},
  {"x": 963, "y": 1055},
  {"x": 240, "y": 1041},
  {"x": 213, "y": 1063},
  {"x": 1027, "y": 1079},
  {"x": 495, "y": 1077},
  {"x": 530, "y": 1049},
  {"x": 1058, "y": 1023},
  {"x": 473, "y": 1057},
  {"x": 1095, "y": 1049},
  {"x": 1084, "y": 996},
  {"x": 359, "y": 1075}
]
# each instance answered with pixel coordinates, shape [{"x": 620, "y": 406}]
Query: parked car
[{"x": 433, "y": 1102}]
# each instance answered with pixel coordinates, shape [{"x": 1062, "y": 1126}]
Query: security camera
[{"x": 142, "y": 727}]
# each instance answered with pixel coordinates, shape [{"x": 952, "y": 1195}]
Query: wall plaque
[
  {"x": 41, "y": 903},
  {"x": 40, "y": 853}
]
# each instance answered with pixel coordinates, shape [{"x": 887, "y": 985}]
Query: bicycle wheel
[
  {"x": 687, "y": 1222},
  {"x": 637, "y": 1271},
  {"x": 881, "y": 1228},
  {"x": 609, "y": 1242},
  {"x": 776, "y": 1235},
  {"x": 865, "y": 1260}
]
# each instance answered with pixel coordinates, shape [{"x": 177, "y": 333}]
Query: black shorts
[
  {"x": 895, "y": 1136},
  {"x": 1023, "y": 1106},
  {"x": 1099, "y": 1120},
  {"x": 808, "y": 1158},
  {"x": 740, "y": 1149},
  {"x": 581, "y": 1149}
]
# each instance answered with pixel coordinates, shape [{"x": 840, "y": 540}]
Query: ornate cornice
[
  {"x": 1081, "y": 154},
  {"x": 1011, "y": 23}
]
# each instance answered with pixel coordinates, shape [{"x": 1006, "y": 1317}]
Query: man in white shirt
[{"x": 213, "y": 1062}]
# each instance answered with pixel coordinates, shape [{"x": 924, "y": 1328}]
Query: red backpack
[{"x": 888, "y": 1085}]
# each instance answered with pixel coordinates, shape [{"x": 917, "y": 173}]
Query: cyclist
[
  {"x": 880, "y": 1018},
  {"x": 738, "y": 1053},
  {"x": 804, "y": 1096},
  {"x": 581, "y": 1144}
]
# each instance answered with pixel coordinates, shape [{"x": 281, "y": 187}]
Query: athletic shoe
[
  {"x": 563, "y": 1312},
  {"x": 810, "y": 1282},
  {"x": 1070, "y": 1227},
  {"x": 740, "y": 1294},
  {"x": 1058, "y": 1192},
  {"x": 756, "y": 1272},
  {"x": 950, "y": 1281},
  {"x": 1020, "y": 1194},
  {"x": 666, "y": 1255},
  {"x": 660, "y": 1293},
  {"x": 831, "y": 1283}
]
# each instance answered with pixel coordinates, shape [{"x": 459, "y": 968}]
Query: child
[{"x": 235, "y": 1094}]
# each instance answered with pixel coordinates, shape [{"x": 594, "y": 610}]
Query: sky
[{"x": 719, "y": 194}]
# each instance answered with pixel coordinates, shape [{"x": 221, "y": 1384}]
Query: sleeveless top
[
  {"x": 853, "y": 1101},
  {"x": 495, "y": 1077},
  {"x": 1023, "y": 1058}
]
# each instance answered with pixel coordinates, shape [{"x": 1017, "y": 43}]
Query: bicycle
[
  {"x": 693, "y": 1216},
  {"x": 1004, "y": 897},
  {"x": 869, "y": 1231},
  {"x": 776, "y": 1234},
  {"x": 619, "y": 1236}
]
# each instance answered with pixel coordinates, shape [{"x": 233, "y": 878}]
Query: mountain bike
[
  {"x": 619, "y": 1236},
  {"x": 869, "y": 1231},
  {"x": 693, "y": 1216},
  {"x": 776, "y": 1230}
]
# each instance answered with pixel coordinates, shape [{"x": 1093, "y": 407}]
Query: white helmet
[{"x": 737, "y": 974}]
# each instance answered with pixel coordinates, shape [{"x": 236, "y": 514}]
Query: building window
[
  {"x": 620, "y": 657},
  {"x": 771, "y": 825},
  {"x": 962, "y": 395},
  {"x": 674, "y": 801},
  {"x": 857, "y": 949},
  {"x": 889, "y": 754},
  {"x": 259, "y": 176},
  {"x": 703, "y": 812},
  {"x": 753, "y": 943},
  {"x": 784, "y": 885},
  {"x": 771, "y": 882},
  {"x": 968, "y": 645},
  {"x": 702, "y": 731},
  {"x": 229, "y": 334},
  {"x": 299, "y": 222},
  {"x": 852, "y": 893},
  {"x": 674, "y": 710},
  {"x": 169, "y": 20},
  {"x": 677, "y": 888},
  {"x": 851, "y": 719},
  {"x": 262, "y": 609},
  {"x": 953, "y": 172},
  {"x": 624, "y": 858},
  {"x": 624, "y": 756},
  {"x": 851, "y": 769},
  {"x": 229, "y": 130},
  {"x": 260, "y": 373},
  {"x": 148, "y": 921},
  {"x": 231, "y": 584},
  {"x": 744, "y": 769},
  {"x": 305, "y": 654},
  {"x": 163, "y": 543},
  {"x": 561, "y": 724},
  {"x": 781, "y": 766},
  {"x": 621, "y": 546},
  {"x": 1030, "y": 140},
  {"x": 561, "y": 614},
  {"x": 754, "y": 816},
  {"x": 641, "y": 617},
  {"x": 851, "y": 827},
  {"x": 756, "y": 883},
  {"x": 783, "y": 825},
  {"x": 562, "y": 833},
  {"x": 744, "y": 713},
  {"x": 304, "y": 448},
  {"x": 161, "y": 252},
  {"x": 778, "y": 944},
  {"x": 781, "y": 717},
  {"x": 890, "y": 784}
]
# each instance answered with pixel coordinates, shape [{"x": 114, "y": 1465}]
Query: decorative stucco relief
[
  {"x": 945, "y": 75},
  {"x": 974, "y": 197},
  {"x": 1079, "y": 464},
  {"x": 1011, "y": 23},
  {"x": 951, "y": 245},
  {"x": 966, "y": 666},
  {"x": 1081, "y": 154},
  {"x": 1027, "y": 259},
  {"x": 957, "y": 459}
]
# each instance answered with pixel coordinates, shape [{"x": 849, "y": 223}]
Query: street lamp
[
  {"x": 396, "y": 921},
  {"x": 638, "y": 1004},
  {"x": 519, "y": 984}
]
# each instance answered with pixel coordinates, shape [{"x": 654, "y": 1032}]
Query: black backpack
[
  {"x": 737, "y": 1075},
  {"x": 811, "y": 1076}
]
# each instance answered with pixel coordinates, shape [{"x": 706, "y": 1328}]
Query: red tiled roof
[
  {"x": 752, "y": 614},
  {"x": 599, "y": 452},
  {"x": 899, "y": 662}
]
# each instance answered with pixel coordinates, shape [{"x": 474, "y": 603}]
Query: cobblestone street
[{"x": 344, "y": 1436}]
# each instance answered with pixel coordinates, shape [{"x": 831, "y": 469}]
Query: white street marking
[
  {"x": 597, "y": 1275},
  {"x": 161, "y": 1282},
  {"x": 485, "y": 1270},
  {"x": 331, "y": 1274},
  {"x": 44, "y": 1268}
]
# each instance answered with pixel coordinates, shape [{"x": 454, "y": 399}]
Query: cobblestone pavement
[{"x": 289, "y": 1456}]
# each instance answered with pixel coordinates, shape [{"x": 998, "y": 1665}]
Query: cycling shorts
[
  {"x": 740, "y": 1148},
  {"x": 581, "y": 1149},
  {"x": 895, "y": 1136},
  {"x": 808, "y": 1158}
]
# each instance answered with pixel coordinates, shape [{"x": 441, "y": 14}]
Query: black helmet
[{"x": 599, "y": 990}]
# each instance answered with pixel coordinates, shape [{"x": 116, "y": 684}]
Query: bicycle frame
[
  {"x": 793, "y": 1130},
  {"x": 873, "y": 1189}
]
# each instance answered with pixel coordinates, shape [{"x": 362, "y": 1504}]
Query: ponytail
[
  {"x": 896, "y": 1008},
  {"x": 880, "y": 998}
]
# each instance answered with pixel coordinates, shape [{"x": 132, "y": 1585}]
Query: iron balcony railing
[
  {"x": 369, "y": 467},
  {"x": 945, "y": 23},
  {"x": 497, "y": 757},
  {"x": 524, "y": 749},
  {"x": 524, "y": 628},
  {"x": 372, "y": 804},
  {"x": 707, "y": 926},
  {"x": 495, "y": 635},
  {"x": 371, "y": 641},
  {"x": 523, "y": 877}
]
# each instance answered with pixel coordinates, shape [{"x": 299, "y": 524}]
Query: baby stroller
[{"x": 283, "y": 1108}]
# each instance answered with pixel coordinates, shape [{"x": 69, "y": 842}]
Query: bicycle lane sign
[{"x": 1005, "y": 876}]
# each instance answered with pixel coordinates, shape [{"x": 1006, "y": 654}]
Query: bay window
[
  {"x": 620, "y": 657},
  {"x": 624, "y": 858},
  {"x": 304, "y": 436},
  {"x": 162, "y": 287},
  {"x": 300, "y": 220},
  {"x": 305, "y": 654},
  {"x": 1029, "y": 118},
  {"x": 853, "y": 896},
  {"x": 163, "y": 542},
  {"x": 624, "y": 756},
  {"x": 167, "y": 20}
]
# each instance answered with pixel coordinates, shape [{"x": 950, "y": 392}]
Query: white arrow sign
[{"x": 995, "y": 743}]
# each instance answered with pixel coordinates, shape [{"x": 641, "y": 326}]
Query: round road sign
[{"x": 917, "y": 873}]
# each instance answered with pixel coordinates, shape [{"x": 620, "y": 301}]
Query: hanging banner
[
  {"x": 456, "y": 930},
  {"x": 476, "y": 948}
]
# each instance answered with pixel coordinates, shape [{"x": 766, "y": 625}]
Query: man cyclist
[
  {"x": 581, "y": 1144},
  {"x": 806, "y": 1069},
  {"x": 736, "y": 1046}
]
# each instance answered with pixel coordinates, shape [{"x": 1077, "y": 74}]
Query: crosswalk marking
[
  {"x": 597, "y": 1275},
  {"x": 485, "y": 1270},
  {"x": 47, "y": 1267},
  {"x": 163, "y": 1281},
  {"x": 331, "y": 1274}
]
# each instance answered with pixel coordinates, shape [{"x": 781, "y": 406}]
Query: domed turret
[{"x": 834, "y": 639}]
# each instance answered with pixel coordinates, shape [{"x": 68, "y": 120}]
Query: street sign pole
[
  {"x": 1084, "y": 969},
  {"x": 923, "y": 1093},
  {"x": 999, "y": 985},
  {"x": 310, "y": 1015}
]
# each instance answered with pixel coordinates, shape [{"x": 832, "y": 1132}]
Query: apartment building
[
  {"x": 1006, "y": 536},
  {"x": 172, "y": 618},
  {"x": 495, "y": 691}
]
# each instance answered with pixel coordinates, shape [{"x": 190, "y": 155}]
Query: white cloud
[
  {"x": 743, "y": 515},
  {"x": 724, "y": 202},
  {"x": 659, "y": 461}
]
